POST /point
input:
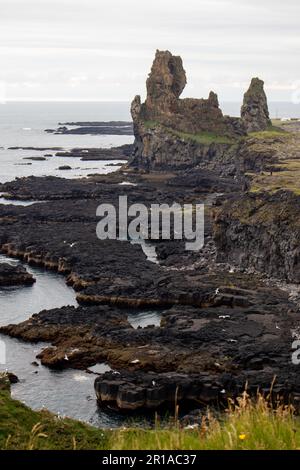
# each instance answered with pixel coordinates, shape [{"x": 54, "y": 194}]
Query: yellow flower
[{"x": 242, "y": 437}]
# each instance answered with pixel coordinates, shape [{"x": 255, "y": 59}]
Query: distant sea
[
  {"x": 277, "y": 109},
  {"x": 23, "y": 124}
]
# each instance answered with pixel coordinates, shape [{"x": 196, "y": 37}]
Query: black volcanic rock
[
  {"x": 64, "y": 167},
  {"x": 14, "y": 275},
  {"x": 92, "y": 154},
  {"x": 262, "y": 232},
  {"x": 94, "y": 128},
  {"x": 219, "y": 329}
]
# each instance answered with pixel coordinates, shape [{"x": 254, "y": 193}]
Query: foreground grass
[
  {"x": 245, "y": 425},
  {"x": 23, "y": 428}
]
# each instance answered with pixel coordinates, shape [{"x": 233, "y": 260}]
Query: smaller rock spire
[{"x": 254, "y": 112}]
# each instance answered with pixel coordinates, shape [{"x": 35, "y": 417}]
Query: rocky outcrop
[
  {"x": 171, "y": 132},
  {"x": 254, "y": 112},
  {"x": 93, "y": 128},
  {"x": 165, "y": 84},
  {"x": 158, "y": 148},
  {"x": 93, "y": 154},
  {"x": 14, "y": 275},
  {"x": 128, "y": 391},
  {"x": 261, "y": 231},
  {"x": 166, "y": 127}
]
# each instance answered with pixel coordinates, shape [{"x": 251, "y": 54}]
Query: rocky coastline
[{"x": 223, "y": 326}]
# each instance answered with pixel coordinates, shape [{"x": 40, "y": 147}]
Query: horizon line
[{"x": 59, "y": 100}]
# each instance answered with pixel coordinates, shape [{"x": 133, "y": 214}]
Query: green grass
[
  {"x": 201, "y": 137},
  {"x": 270, "y": 133},
  {"x": 23, "y": 428},
  {"x": 245, "y": 425}
]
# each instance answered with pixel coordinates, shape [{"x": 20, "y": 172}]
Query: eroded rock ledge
[{"x": 14, "y": 275}]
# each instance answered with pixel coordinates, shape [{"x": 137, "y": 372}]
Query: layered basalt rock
[
  {"x": 261, "y": 231},
  {"x": 14, "y": 275},
  {"x": 129, "y": 391},
  {"x": 254, "y": 112}
]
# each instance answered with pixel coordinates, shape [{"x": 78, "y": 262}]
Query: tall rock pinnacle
[
  {"x": 254, "y": 112},
  {"x": 163, "y": 104},
  {"x": 165, "y": 83}
]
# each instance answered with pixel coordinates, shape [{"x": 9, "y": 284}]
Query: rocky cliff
[
  {"x": 261, "y": 231},
  {"x": 174, "y": 132}
]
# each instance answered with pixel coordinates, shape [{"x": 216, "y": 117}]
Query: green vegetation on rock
[
  {"x": 269, "y": 133},
  {"x": 204, "y": 137}
]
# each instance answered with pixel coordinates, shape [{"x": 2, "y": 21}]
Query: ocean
[{"x": 23, "y": 124}]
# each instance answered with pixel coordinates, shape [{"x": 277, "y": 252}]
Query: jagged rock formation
[
  {"x": 165, "y": 84},
  {"x": 178, "y": 133},
  {"x": 254, "y": 112},
  {"x": 167, "y": 128}
]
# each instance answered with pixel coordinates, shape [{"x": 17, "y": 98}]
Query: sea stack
[
  {"x": 174, "y": 132},
  {"x": 254, "y": 112},
  {"x": 164, "y": 106}
]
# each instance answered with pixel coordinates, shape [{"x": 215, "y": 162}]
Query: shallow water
[
  {"x": 19, "y": 303},
  {"x": 145, "y": 318},
  {"x": 16, "y": 202},
  {"x": 69, "y": 392},
  {"x": 13, "y": 165}
]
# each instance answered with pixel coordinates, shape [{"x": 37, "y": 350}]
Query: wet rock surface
[{"x": 14, "y": 275}]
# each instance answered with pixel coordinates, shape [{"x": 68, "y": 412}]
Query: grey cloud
[{"x": 45, "y": 43}]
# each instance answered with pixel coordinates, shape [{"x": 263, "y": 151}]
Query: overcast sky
[{"x": 103, "y": 50}]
